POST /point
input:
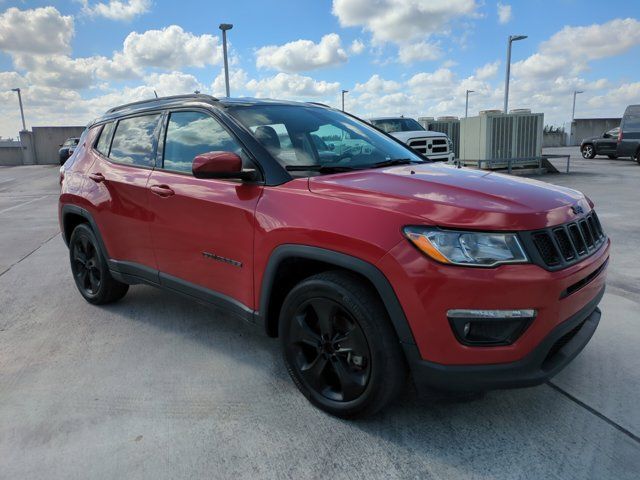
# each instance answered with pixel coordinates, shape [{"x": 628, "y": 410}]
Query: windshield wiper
[
  {"x": 395, "y": 161},
  {"x": 319, "y": 168}
]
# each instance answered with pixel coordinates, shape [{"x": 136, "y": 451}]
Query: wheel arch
[
  {"x": 72, "y": 216},
  {"x": 278, "y": 280}
]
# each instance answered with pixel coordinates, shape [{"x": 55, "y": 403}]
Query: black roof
[{"x": 192, "y": 99}]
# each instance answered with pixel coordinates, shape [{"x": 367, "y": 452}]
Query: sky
[{"x": 75, "y": 59}]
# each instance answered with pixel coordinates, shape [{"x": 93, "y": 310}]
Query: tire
[
  {"x": 346, "y": 359},
  {"x": 588, "y": 151},
  {"x": 90, "y": 270},
  {"x": 612, "y": 157},
  {"x": 636, "y": 156}
]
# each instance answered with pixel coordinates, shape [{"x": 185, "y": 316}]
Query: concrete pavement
[{"x": 156, "y": 386}]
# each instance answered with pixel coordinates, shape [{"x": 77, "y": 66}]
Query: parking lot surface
[{"x": 157, "y": 386}]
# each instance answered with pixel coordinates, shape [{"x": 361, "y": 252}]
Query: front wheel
[
  {"x": 588, "y": 151},
  {"x": 339, "y": 346}
]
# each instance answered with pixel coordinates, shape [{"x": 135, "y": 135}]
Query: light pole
[
  {"x": 512, "y": 38},
  {"x": 224, "y": 27},
  {"x": 573, "y": 111},
  {"x": 466, "y": 104},
  {"x": 343, "y": 92},
  {"x": 24, "y": 126}
]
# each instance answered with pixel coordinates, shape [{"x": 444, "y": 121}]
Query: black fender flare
[
  {"x": 76, "y": 210},
  {"x": 340, "y": 260}
]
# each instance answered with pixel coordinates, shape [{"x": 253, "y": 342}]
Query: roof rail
[
  {"x": 152, "y": 100},
  {"x": 319, "y": 104}
]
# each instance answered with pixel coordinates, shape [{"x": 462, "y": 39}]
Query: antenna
[{"x": 155, "y": 93}]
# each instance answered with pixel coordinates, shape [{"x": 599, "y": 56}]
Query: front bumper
[{"x": 553, "y": 353}]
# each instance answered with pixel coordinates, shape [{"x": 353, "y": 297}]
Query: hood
[
  {"x": 444, "y": 195},
  {"x": 406, "y": 136}
]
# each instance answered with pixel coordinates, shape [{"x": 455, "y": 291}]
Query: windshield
[
  {"x": 300, "y": 136},
  {"x": 391, "y": 125}
]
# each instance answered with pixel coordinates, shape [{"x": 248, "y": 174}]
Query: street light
[
  {"x": 573, "y": 111},
  {"x": 343, "y": 92},
  {"x": 224, "y": 27},
  {"x": 24, "y": 126},
  {"x": 466, "y": 105},
  {"x": 512, "y": 38}
]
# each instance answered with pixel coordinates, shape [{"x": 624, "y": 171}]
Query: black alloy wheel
[
  {"x": 329, "y": 350},
  {"x": 90, "y": 270},
  {"x": 339, "y": 345},
  {"x": 86, "y": 269}
]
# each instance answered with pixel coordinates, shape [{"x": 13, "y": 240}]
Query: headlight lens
[{"x": 477, "y": 249}]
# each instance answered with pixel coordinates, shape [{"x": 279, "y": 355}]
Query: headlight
[{"x": 475, "y": 249}]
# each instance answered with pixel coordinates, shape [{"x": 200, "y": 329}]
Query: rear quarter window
[
  {"x": 104, "y": 141},
  {"x": 134, "y": 141}
]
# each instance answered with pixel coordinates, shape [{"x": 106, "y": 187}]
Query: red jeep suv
[{"x": 368, "y": 261}]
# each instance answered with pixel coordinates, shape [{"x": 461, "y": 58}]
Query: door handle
[
  {"x": 97, "y": 177},
  {"x": 162, "y": 190}
]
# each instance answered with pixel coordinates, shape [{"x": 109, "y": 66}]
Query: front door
[{"x": 202, "y": 229}]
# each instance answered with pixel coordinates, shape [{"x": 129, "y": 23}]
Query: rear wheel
[
  {"x": 636, "y": 156},
  {"x": 339, "y": 347},
  {"x": 90, "y": 270},
  {"x": 588, "y": 151}
]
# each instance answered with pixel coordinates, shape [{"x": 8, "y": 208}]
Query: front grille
[{"x": 564, "y": 245}]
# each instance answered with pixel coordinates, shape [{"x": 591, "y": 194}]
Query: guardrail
[{"x": 510, "y": 163}]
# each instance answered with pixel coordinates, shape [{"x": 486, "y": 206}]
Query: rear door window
[{"x": 134, "y": 141}]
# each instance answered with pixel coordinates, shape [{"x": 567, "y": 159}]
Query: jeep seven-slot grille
[{"x": 560, "y": 246}]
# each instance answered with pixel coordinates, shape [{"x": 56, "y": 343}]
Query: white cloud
[
  {"x": 571, "y": 49},
  {"x": 237, "y": 82},
  {"x": 619, "y": 97},
  {"x": 291, "y": 86},
  {"x": 37, "y": 31},
  {"x": 377, "y": 85},
  {"x": 172, "y": 48},
  {"x": 488, "y": 70},
  {"x": 174, "y": 83},
  {"x": 420, "y": 51},
  {"x": 9, "y": 80},
  {"x": 401, "y": 20},
  {"x": 118, "y": 10},
  {"x": 302, "y": 55},
  {"x": 357, "y": 47},
  {"x": 504, "y": 13}
]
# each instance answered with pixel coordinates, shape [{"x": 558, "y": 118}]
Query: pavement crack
[
  {"x": 30, "y": 253},
  {"x": 593, "y": 411}
]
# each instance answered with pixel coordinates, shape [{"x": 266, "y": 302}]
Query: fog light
[{"x": 489, "y": 327}]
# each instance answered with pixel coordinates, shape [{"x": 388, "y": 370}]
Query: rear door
[
  {"x": 203, "y": 229},
  {"x": 125, "y": 156}
]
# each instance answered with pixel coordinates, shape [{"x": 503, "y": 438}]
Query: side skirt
[{"x": 132, "y": 273}]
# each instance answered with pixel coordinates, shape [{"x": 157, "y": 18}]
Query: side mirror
[
  {"x": 605, "y": 135},
  {"x": 221, "y": 165}
]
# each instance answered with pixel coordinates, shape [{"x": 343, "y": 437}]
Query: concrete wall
[
  {"x": 10, "y": 155},
  {"x": 554, "y": 139},
  {"x": 590, "y": 127},
  {"x": 47, "y": 140}
]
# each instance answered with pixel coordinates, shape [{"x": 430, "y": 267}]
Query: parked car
[
  {"x": 369, "y": 265},
  {"x": 66, "y": 149},
  {"x": 629, "y": 135},
  {"x": 434, "y": 145},
  {"x": 605, "y": 144}
]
